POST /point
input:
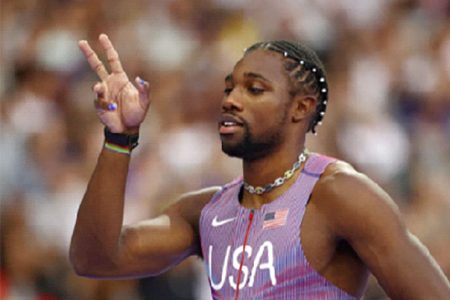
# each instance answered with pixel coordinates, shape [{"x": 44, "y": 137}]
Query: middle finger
[{"x": 111, "y": 54}]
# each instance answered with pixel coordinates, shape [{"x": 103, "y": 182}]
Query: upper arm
[
  {"x": 360, "y": 212},
  {"x": 152, "y": 246}
]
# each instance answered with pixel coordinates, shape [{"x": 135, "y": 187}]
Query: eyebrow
[
  {"x": 256, "y": 76},
  {"x": 250, "y": 75}
]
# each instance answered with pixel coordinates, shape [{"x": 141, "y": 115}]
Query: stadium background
[{"x": 388, "y": 64}]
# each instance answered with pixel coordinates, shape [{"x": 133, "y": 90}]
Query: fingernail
[
  {"x": 112, "y": 106},
  {"x": 141, "y": 81}
]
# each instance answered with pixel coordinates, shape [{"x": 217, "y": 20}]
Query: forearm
[{"x": 96, "y": 237}]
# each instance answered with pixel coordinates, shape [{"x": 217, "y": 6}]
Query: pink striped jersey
[{"x": 272, "y": 264}]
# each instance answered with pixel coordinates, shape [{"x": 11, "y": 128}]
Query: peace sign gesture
[{"x": 119, "y": 104}]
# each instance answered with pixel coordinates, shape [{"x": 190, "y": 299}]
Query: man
[{"x": 297, "y": 225}]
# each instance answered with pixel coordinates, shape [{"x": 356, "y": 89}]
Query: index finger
[
  {"x": 111, "y": 54},
  {"x": 93, "y": 60}
]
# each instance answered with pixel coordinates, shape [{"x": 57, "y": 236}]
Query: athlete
[{"x": 296, "y": 225}]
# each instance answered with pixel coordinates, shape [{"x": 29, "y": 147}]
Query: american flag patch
[{"x": 275, "y": 219}]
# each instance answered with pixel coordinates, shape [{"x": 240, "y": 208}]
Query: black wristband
[{"x": 129, "y": 141}]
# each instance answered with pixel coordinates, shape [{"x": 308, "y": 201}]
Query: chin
[
  {"x": 249, "y": 148},
  {"x": 233, "y": 151},
  {"x": 245, "y": 151},
  {"x": 234, "y": 146}
]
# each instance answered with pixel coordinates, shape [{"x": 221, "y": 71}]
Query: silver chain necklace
[{"x": 280, "y": 180}]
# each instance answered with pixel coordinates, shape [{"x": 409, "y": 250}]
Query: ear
[{"x": 303, "y": 107}]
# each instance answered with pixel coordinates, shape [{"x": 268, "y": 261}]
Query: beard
[{"x": 250, "y": 147}]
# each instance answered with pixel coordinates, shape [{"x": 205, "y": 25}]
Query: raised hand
[{"x": 120, "y": 105}]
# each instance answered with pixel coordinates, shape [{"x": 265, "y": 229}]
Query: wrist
[
  {"x": 121, "y": 142},
  {"x": 131, "y": 131}
]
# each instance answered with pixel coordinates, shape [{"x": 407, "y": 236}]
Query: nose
[{"x": 232, "y": 101}]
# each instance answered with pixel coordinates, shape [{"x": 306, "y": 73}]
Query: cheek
[
  {"x": 271, "y": 112},
  {"x": 264, "y": 122},
  {"x": 266, "y": 112}
]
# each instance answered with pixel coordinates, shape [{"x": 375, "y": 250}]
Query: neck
[{"x": 265, "y": 170}]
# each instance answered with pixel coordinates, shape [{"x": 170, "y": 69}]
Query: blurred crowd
[{"x": 388, "y": 64}]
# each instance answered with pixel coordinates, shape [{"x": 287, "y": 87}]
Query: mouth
[{"x": 229, "y": 124}]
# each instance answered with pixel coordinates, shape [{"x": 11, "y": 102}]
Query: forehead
[{"x": 267, "y": 63}]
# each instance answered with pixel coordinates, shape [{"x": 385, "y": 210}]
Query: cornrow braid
[{"x": 306, "y": 72}]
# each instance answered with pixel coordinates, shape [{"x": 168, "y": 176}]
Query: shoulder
[
  {"x": 201, "y": 195},
  {"x": 350, "y": 200},
  {"x": 341, "y": 181},
  {"x": 190, "y": 205},
  {"x": 193, "y": 199},
  {"x": 340, "y": 177}
]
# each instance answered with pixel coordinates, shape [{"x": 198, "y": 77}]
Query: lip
[
  {"x": 230, "y": 118},
  {"x": 229, "y": 129}
]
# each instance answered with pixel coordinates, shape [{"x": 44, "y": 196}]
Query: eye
[
  {"x": 227, "y": 91},
  {"x": 255, "y": 90}
]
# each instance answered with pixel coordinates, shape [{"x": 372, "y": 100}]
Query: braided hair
[{"x": 306, "y": 71}]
